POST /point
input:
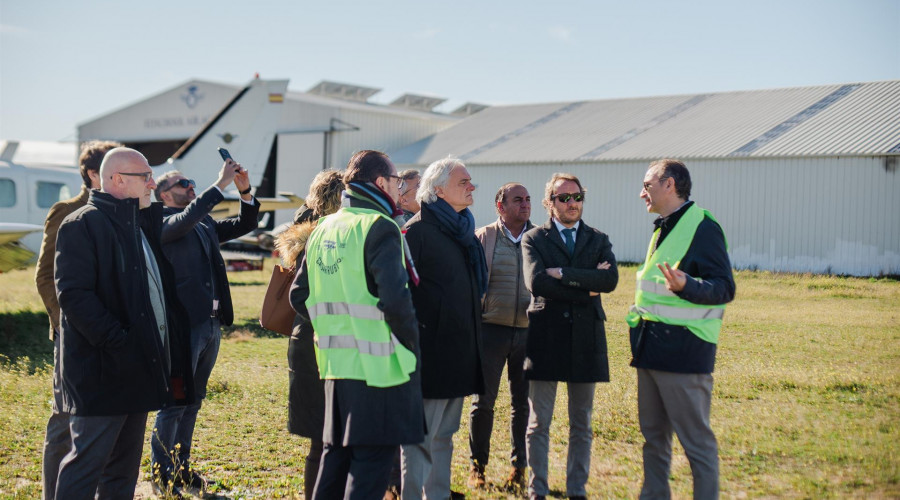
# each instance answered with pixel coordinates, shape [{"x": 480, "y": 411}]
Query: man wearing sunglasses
[
  {"x": 191, "y": 242},
  {"x": 567, "y": 265}
]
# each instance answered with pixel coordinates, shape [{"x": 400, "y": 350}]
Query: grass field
[{"x": 806, "y": 401}]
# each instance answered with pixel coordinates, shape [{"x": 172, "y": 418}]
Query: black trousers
[{"x": 354, "y": 472}]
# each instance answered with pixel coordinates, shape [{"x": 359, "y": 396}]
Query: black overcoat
[
  {"x": 112, "y": 354},
  {"x": 566, "y": 336},
  {"x": 448, "y": 307}
]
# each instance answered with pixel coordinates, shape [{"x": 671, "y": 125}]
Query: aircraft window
[
  {"x": 49, "y": 193},
  {"x": 7, "y": 193}
]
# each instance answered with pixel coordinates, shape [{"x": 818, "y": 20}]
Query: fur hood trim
[{"x": 291, "y": 243}]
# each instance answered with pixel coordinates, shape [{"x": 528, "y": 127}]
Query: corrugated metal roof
[{"x": 828, "y": 120}]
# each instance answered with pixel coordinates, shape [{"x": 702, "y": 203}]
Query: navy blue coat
[
  {"x": 673, "y": 348},
  {"x": 196, "y": 259}
]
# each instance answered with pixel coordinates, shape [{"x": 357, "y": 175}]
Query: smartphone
[{"x": 225, "y": 154}]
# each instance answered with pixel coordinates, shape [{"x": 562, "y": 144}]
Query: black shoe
[
  {"x": 164, "y": 487},
  {"x": 192, "y": 479}
]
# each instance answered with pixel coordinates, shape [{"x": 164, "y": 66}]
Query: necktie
[{"x": 570, "y": 241}]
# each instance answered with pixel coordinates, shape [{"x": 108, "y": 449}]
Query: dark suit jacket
[
  {"x": 191, "y": 242},
  {"x": 566, "y": 337},
  {"x": 43, "y": 274}
]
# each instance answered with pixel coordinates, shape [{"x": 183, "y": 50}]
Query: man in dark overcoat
[
  {"x": 125, "y": 350},
  {"x": 567, "y": 265},
  {"x": 453, "y": 273}
]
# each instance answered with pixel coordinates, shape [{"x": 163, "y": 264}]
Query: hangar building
[
  {"x": 801, "y": 179},
  {"x": 319, "y": 128}
]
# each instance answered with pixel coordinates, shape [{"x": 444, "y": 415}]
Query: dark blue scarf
[
  {"x": 368, "y": 191},
  {"x": 461, "y": 225}
]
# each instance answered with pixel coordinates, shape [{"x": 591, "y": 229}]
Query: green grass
[{"x": 806, "y": 401}]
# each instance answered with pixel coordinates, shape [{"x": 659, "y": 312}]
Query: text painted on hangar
[{"x": 175, "y": 121}]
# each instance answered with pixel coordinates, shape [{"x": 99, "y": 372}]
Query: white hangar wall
[
  {"x": 306, "y": 143},
  {"x": 836, "y": 215}
]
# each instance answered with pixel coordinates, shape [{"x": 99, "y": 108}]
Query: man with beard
[
  {"x": 191, "y": 242},
  {"x": 567, "y": 265},
  {"x": 352, "y": 285}
]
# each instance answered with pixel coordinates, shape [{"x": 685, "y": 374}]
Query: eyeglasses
[
  {"x": 400, "y": 182},
  {"x": 648, "y": 185},
  {"x": 565, "y": 197},
  {"x": 185, "y": 183},
  {"x": 146, "y": 175},
  {"x": 408, "y": 189}
]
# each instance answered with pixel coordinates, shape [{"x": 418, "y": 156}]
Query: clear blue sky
[{"x": 65, "y": 62}]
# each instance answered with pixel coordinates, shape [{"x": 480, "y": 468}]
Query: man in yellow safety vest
[
  {"x": 352, "y": 286},
  {"x": 682, "y": 289}
]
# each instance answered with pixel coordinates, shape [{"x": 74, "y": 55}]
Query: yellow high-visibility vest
[
  {"x": 654, "y": 302},
  {"x": 353, "y": 341}
]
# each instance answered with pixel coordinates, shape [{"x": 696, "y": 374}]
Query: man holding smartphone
[{"x": 191, "y": 241}]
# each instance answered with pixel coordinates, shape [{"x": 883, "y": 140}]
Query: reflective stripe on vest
[
  {"x": 354, "y": 310},
  {"x": 681, "y": 313},
  {"x": 353, "y": 340},
  {"x": 363, "y": 346},
  {"x": 654, "y": 302}
]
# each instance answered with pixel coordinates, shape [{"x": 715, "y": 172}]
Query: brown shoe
[
  {"x": 476, "y": 478},
  {"x": 515, "y": 482},
  {"x": 392, "y": 493}
]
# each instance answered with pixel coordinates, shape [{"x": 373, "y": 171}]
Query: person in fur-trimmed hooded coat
[{"x": 306, "y": 395}]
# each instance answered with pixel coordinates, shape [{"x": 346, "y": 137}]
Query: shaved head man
[
  {"x": 125, "y": 173},
  {"x": 124, "y": 347},
  {"x": 57, "y": 441}
]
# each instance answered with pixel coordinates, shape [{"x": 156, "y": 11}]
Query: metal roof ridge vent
[
  {"x": 469, "y": 109},
  {"x": 668, "y": 115},
  {"x": 344, "y": 91},
  {"x": 417, "y": 102},
  {"x": 787, "y": 125},
  {"x": 526, "y": 128}
]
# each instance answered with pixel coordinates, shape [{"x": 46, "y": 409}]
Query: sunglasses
[
  {"x": 565, "y": 197},
  {"x": 185, "y": 183}
]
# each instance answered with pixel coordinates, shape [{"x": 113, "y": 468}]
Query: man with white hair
[
  {"x": 124, "y": 352},
  {"x": 453, "y": 278}
]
